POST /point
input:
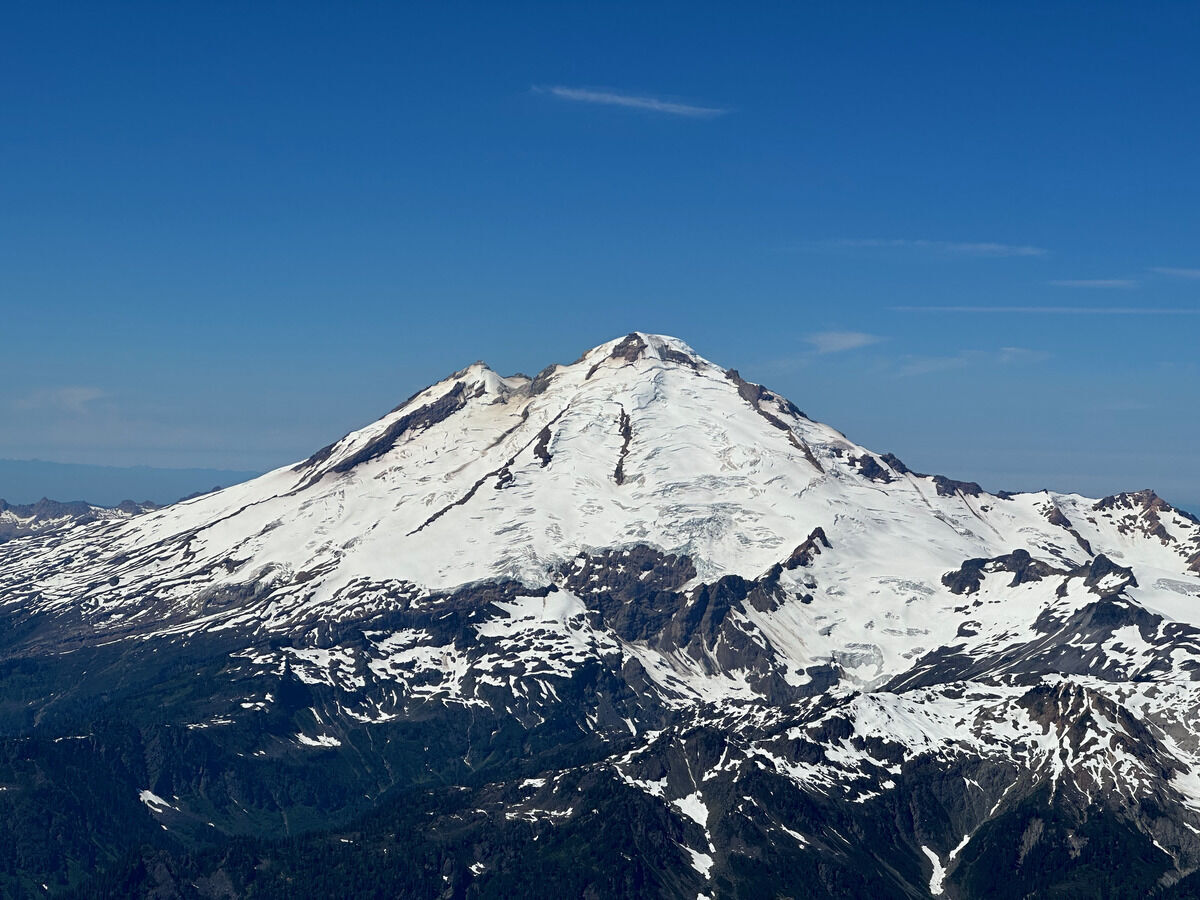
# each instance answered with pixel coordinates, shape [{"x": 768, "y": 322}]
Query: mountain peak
[{"x": 641, "y": 345}]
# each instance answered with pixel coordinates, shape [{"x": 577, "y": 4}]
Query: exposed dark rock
[
  {"x": 317, "y": 458},
  {"x": 803, "y": 555},
  {"x": 541, "y": 381},
  {"x": 1055, "y": 516},
  {"x": 670, "y": 354},
  {"x": 637, "y": 592},
  {"x": 541, "y": 448},
  {"x": 808, "y": 454},
  {"x": 1141, "y": 512},
  {"x": 1099, "y": 620},
  {"x": 1141, "y": 500},
  {"x": 631, "y": 348},
  {"x": 1024, "y": 568},
  {"x": 948, "y": 487},
  {"x": 1099, "y": 569},
  {"x": 705, "y": 612},
  {"x": 626, "y": 428},
  {"x": 871, "y": 469},
  {"x": 634, "y": 591},
  {"x": 752, "y": 393},
  {"x": 1067, "y": 708},
  {"x": 968, "y": 578},
  {"x": 501, "y": 474}
]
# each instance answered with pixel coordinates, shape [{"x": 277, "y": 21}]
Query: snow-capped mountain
[
  {"x": 21, "y": 519},
  {"x": 637, "y": 605}
]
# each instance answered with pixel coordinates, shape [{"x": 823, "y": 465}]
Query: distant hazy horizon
[{"x": 25, "y": 481}]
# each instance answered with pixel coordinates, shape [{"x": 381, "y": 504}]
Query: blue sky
[{"x": 966, "y": 233}]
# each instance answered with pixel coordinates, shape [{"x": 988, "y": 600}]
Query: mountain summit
[{"x": 636, "y": 624}]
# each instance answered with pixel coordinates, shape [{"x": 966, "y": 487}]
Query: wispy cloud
[
  {"x": 839, "y": 341},
  {"x": 927, "y": 365},
  {"x": 74, "y": 399},
  {"x": 1056, "y": 310},
  {"x": 950, "y": 248},
  {"x": 1095, "y": 282},
  {"x": 1005, "y": 356},
  {"x": 1175, "y": 272},
  {"x": 632, "y": 101}
]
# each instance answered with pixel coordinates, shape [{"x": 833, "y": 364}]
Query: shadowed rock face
[
  {"x": 967, "y": 579},
  {"x": 871, "y": 469},
  {"x": 626, "y": 428},
  {"x": 948, "y": 487},
  {"x": 635, "y": 591},
  {"x": 898, "y": 466},
  {"x": 541, "y": 448},
  {"x": 630, "y": 349},
  {"x": 811, "y": 548},
  {"x": 1102, "y": 576}
]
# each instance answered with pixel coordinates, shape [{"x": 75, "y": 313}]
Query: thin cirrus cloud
[
  {"x": 1056, "y": 310},
  {"x": 75, "y": 399},
  {"x": 1175, "y": 272},
  {"x": 632, "y": 101},
  {"x": 1095, "y": 283},
  {"x": 949, "y": 248},
  {"x": 840, "y": 341},
  {"x": 1005, "y": 356}
]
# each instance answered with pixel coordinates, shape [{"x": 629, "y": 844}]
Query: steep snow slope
[{"x": 640, "y": 442}]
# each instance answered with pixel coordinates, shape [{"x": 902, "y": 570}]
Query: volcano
[{"x": 632, "y": 627}]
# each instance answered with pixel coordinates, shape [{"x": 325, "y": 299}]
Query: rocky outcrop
[
  {"x": 870, "y": 468},
  {"x": 1024, "y": 568}
]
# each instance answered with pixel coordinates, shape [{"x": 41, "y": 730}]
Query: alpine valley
[{"x": 634, "y": 627}]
